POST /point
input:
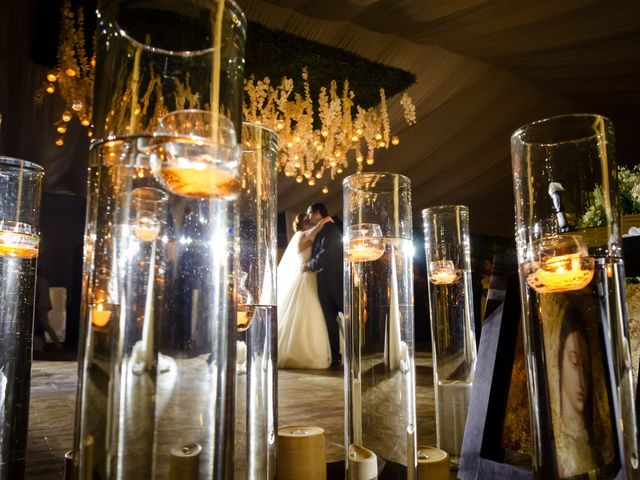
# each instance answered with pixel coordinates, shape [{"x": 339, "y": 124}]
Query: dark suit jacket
[{"x": 326, "y": 260}]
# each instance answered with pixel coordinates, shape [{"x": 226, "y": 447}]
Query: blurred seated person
[{"x": 41, "y": 323}]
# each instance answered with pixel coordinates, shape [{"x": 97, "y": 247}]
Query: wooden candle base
[
  {"x": 433, "y": 464},
  {"x": 301, "y": 453}
]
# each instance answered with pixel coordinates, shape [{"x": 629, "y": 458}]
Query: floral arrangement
[
  {"x": 629, "y": 181},
  {"x": 629, "y": 188}
]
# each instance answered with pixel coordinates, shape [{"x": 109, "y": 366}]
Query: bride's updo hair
[{"x": 299, "y": 222}]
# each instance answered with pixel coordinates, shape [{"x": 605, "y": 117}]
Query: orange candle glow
[
  {"x": 99, "y": 316},
  {"x": 15, "y": 244},
  {"x": 562, "y": 273},
  {"x": 563, "y": 265},
  {"x": 364, "y": 249},
  {"x": 443, "y": 272},
  {"x": 198, "y": 179}
]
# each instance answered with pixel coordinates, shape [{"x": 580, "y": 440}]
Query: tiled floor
[{"x": 309, "y": 397}]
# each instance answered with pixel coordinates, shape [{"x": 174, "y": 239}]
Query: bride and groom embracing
[{"x": 310, "y": 292}]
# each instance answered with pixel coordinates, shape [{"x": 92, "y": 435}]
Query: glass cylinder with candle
[
  {"x": 572, "y": 285},
  {"x": 20, "y": 191},
  {"x": 157, "y": 365},
  {"x": 379, "y": 351},
  {"x": 447, "y": 246},
  {"x": 257, "y": 372}
]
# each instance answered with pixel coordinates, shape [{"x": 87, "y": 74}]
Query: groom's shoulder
[{"x": 332, "y": 228}]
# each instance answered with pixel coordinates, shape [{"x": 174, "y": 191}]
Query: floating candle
[
  {"x": 244, "y": 316},
  {"x": 146, "y": 228},
  {"x": 364, "y": 243},
  {"x": 364, "y": 249},
  {"x": 195, "y": 154},
  {"x": 442, "y": 272},
  {"x": 563, "y": 265},
  {"x": 16, "y": 244},
  {"x": 200, "y": 180},
  {"x": 563, "y": 273}
]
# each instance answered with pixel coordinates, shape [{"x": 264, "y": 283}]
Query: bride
[{"x": 303, "y": 341}]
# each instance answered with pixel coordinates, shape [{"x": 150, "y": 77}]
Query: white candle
[{"x": 363, "y": 463}]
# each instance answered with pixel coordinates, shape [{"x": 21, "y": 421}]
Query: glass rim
[
  {"x": 180, "y": 53},
  {"x": 257, "y": 126},
  {"x": 442, "y": 208},
  {"x": 349, "y": 180},
  {"x": 519, "y": 133},
  {"x": 224, "y": 126},
  {"x": 17, "y": 163}
]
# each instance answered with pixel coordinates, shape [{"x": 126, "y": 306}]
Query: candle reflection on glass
[
  {"x": 146, "y": 228},
  {"x": 99, "y": 316},
  {"x": 364, "y": 243},
  {"x": 563, "y": 265},
  {"x": 442, "y": 272},
  {"x": 147, "y": 212}
]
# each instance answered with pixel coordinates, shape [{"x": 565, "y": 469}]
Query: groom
[{"x": 326, "y": 260}]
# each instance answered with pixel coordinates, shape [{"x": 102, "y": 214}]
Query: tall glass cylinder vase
[
  {"x": 157, "y": 367},
  {"x": 572, "y": 286},
  {"x": 447, "y": 246},
  {"x": 379, "y": 362},
  {"x": 257, "y": 372},
  {"x": 20, "y": 191}
]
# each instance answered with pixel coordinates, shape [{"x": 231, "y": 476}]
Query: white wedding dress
[{"x": 303, "y": 341}]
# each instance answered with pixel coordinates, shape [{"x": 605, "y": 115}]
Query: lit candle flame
[
  {"x": 364, "y": 249},
  {"x": 443, "y": 272},
  {"x": 99, "y": 316},
  {"x": 563, "y": 265},
  {"x": 561, "y": 273}
]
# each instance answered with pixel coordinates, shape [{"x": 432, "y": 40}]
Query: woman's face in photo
[{"x": 575, "y": 364}]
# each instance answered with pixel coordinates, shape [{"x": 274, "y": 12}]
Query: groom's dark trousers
[{"x": 326, "y": 260}]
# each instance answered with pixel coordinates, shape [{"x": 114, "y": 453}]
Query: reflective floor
[{"x": 306, "y": 397}]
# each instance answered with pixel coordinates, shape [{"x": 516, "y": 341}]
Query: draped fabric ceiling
[{"x": 483, "y": 68}]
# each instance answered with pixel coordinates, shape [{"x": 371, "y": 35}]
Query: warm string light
[
  {"x": 316, "y": 136},
  {"x": 73, "y": 75}
]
